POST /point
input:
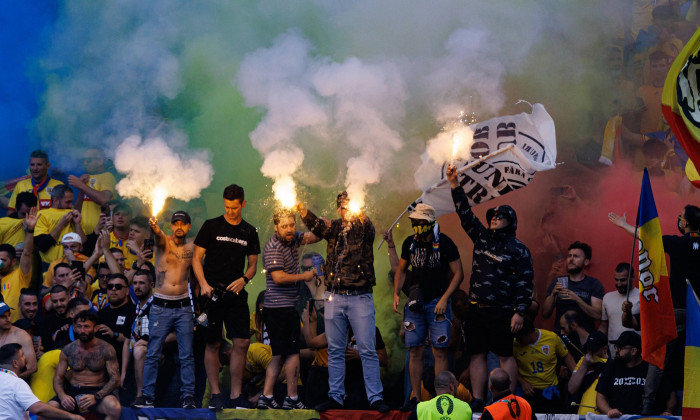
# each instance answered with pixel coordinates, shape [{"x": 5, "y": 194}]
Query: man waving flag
[
  {"x": 680, "y": 103},
  {"x": 658, "y": 323}
]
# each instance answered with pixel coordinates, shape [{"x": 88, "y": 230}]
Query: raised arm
[
  {"x": 160, "y": 237},
  {"x": 29, "y": 223},
  {"x": 621, "y": 222}
]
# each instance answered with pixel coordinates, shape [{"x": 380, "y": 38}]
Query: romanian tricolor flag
[
  {"x": 680, "y": 101},
  {"x": 691, "y": 387},
  {"x": 658, "y": 324}
]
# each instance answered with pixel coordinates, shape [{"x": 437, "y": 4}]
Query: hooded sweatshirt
[{"x": 502, "y": 272}]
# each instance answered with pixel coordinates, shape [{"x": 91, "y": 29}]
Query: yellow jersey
[
  {"x": 12, "y": 284},
  {"x": 43, "y": 196},
  {"x": 46, "y": 221},
  {"x": 48, "y": 275},
  {"x": 11, "y": 231},
  {"x": 91, "y": 211},
  {"x": 537, "y": 363}
]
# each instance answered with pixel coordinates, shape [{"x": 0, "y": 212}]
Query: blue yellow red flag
[
  {"x": 680, "y": 100},
  {"x": 691, "y": 385},
  {"x": 657, "y": 321}
]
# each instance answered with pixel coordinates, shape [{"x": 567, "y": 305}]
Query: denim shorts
[{"x": 426, "y": 324}]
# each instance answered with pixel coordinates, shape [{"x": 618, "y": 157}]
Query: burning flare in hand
[
  {"x": 158, "y": 200},
  {"x": 285, "y": 191}
]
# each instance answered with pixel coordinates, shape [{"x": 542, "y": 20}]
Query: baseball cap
[
  {"x": 181, "y": 216},
  {"x": 4, "y": 307},
  {"x": 628, "y": 338},
  {"x": 71, "y": 237},
  {"x": 423, "y": 212},
  {"x": 596, "y": 341}
]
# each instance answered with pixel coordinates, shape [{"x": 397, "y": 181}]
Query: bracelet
[
  {"x": 391, "y": 246},
  {"x": 28, "y": 231},
  {"x": 245, "y": 279}
]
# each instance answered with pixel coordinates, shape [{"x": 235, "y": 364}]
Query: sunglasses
[{"x": 115, "y": 286}]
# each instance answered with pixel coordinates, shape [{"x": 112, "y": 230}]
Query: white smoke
[
  {"x": 151, "y": 165},
  {"x": 353, "y": 103}
]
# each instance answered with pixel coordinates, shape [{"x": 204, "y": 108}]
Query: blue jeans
[
  {"x": 424, "y": 324},
  {"x": 160, "y": 322},
  {"x": 358, "y": 312}
]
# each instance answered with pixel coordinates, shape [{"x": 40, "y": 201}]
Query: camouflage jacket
[
  {"x": 502, "y": 273},
  {"x": 349, "y": 254}
]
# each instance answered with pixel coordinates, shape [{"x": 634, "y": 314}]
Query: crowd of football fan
[{"x": 104, "y": 307}]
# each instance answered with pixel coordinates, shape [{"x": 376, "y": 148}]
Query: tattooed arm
[
  {"x": 112, "y": 364},
  {"x": 67, "y": 402}
]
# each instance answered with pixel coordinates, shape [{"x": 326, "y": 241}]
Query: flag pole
[
  {"x": 443, "y": 181},
  {"x": 629, "y": 272}
]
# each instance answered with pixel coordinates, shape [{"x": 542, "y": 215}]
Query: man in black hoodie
[{"x": 500, "y": 287}]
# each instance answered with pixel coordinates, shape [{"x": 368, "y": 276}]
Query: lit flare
[
  {"x": 285, "y": 191},
  {"x": 158, "y": 200}
]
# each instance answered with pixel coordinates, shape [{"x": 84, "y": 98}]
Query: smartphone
[
  {"x": 78, "y": 265},
  {"x": 104, "y": 209},
  {"x": 148, "y": 244}
]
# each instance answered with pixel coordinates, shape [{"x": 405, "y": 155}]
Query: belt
[
  {"x": 180, "y": 303},
  {"x": 352, "y": 292},
  {"x": 482, "y": 305}
]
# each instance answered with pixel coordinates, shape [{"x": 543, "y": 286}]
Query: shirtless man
[
  {"x": 171, "y": 308},
  {"x": 94, "y": 372},
  {"x": 12, "y": 334}
]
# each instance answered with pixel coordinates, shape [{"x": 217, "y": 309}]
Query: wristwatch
[
  {"x": 98, "y": 398},
  {"x": 116, "y": 334}
]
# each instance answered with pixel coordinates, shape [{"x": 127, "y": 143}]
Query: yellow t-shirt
[
  {"x": 44, "y": 199},
  {"x": 46, "y": 221},
  {"x": 588, "y": 397},
  {"x": 11, "y": 231},
  {"x": 12, "y": 284},
  {"x": 91, "y": 211},
  {"x": 537, "y": 363}
]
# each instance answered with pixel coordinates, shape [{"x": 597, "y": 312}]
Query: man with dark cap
[
  {"x": 171, "y": 308},
  {"x": 349, "y": 280},
  {"x": 621, "y": 385},
  {"x": 500, "y": 287},
  {"x": 436, "y": 274}
]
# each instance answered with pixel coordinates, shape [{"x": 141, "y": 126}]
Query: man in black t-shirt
[
  {"x": 116, "y": 318},
  {"x": 228, "y": 242},
  {"x": 621, "y": 385},
  {"x": 437, "y": 273}
]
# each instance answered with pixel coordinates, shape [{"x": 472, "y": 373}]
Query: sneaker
[
  {"x": 293, "y": 404},
  {"x": 477, "y": 405},
  {"x": 410, "y": 405},
  {"x": 331, "y": 404},
  {"x": 380, "y": 406},
  {"x": 142, "y": 402},
  {"x": 216, "y": 402},
  {"x": 188, "y": 403},
  {"x": 240, "y": 402},
  {"x": 264, "y": 403}
]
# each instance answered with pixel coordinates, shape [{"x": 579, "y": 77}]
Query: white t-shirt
[
  {"x": 612, "y": 312},
  {"x": 15, "y": 397}
]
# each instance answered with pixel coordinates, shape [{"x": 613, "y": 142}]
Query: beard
[
  {"x": 574, "y": 270},
  {"x": 86, "y": 337}
]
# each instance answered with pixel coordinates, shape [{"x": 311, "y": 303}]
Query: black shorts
[
  {"x": 230, "y": 310},
  {"x": 488, "y": 329},
  {"x": 74, "y": 391},
  {"x": 282, "y": 326}
]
